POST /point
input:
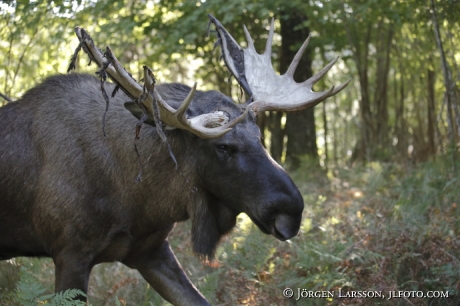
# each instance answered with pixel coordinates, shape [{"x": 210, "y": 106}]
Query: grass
[{"x": 379, "y": 227}]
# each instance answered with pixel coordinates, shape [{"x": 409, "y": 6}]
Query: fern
[
  {"x": 27, "y": 290},
  {"x": 30, "y": 293},
  {"x": 66, "y": 298}
]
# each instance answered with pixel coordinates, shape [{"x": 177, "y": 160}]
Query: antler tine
[
  {"x": 314, "y": 79},
  {"x": 236, "y": 120},
  {"x": 268, "y": 46},
  {"x": 339, "y": 88},
  {"x": 297, "y": 57},
  {"x": 248, "y": 38},
  {"x": 321, "y": 96},
  {"x": 180, "y": 113}
]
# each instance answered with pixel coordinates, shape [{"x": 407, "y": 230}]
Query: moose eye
[{"x": 222, "y": 147}]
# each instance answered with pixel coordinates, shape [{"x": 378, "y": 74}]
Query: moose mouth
[{"x": 281, "y": 228}]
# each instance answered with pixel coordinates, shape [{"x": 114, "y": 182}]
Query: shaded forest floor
[{"x": 376, "y": 228}]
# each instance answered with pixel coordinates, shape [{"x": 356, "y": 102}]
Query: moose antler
[
  {"x": 254, "y": 72},
  {"x": 210, "y": 125}
]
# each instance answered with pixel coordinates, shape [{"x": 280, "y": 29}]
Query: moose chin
[{"x": 85, "y": 190}]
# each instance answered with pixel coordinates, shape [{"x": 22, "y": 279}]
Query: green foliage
[
  {"x": 37, "y": 39},
  {"x": 28, "y": 292},
  {"x": 417, "y": 210},
  {"x": 31, "y": 293}
]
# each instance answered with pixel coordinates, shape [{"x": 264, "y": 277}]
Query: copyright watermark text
[{"x": 299, "y": 293}]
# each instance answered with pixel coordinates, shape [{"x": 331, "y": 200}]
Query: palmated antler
[
  {"x": 270, "y": 91},
  {"x": 210, "y": 125}
]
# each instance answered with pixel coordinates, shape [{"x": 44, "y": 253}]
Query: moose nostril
[{"x": 287, "y": 226}]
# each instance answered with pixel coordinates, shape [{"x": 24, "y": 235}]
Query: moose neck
[
  {"x": 163, "y": 190},
  {"x": 210, "y": 218}
]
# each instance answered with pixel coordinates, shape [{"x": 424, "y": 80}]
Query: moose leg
[
  {"x": 71, "y": 274},
  {"x": 163, "y": 272}
]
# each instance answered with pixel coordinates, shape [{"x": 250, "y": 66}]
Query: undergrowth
[{"x": 380, "y": 228}]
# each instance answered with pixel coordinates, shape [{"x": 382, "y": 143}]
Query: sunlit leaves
[{"x": 36, "y": 40}]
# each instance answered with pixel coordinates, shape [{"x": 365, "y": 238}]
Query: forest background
[{"x": 377, "y": 163}]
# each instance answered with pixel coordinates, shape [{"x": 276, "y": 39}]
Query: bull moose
[{"x": 69, "y": 191}]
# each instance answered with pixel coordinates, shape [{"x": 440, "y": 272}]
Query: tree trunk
[
  {"x": 261, "y": 120},
  {"x": 401, "y": 126},
  {"x": 381, "y": 142},
  {"x": 448, "y": 82},
  {"x": 364, "y": 148},
  {"x": 325, "y": 127},
  {"x": 277, "y": 135},
  {"x": 431, "y": 112},
  {"x": 300, "y": 126},
  {"x": 335, "y": 133}
]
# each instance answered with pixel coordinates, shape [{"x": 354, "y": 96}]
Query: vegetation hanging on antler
[
  {"x": 209, "y": 125},
  {"x": 110, "y": 67}
]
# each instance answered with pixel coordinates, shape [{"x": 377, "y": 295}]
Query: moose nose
[{"x": 286, "y": 226}]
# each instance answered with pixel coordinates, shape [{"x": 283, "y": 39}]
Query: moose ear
[{"x": 137, "y": 112}]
